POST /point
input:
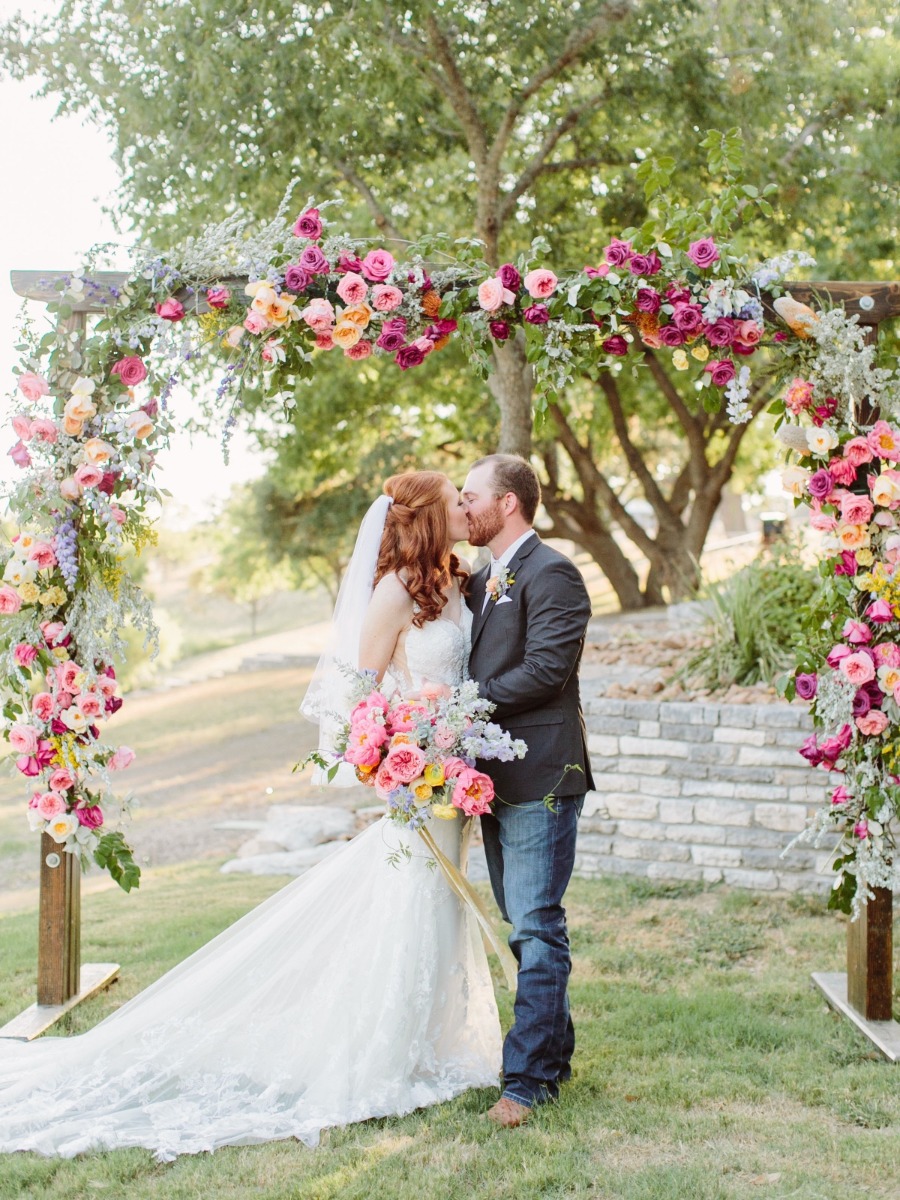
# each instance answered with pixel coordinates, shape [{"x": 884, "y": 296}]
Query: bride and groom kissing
[{"x": 362, "y": 989}]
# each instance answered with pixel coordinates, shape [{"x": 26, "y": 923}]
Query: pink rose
[
  {"x": 473, "y": 792},
  {"x": 385, "y": 297},
  {"x": 748, "y": 333},
  {"x": 385, "y": 783},
  {"x": 617, "y": 252},
  {"x": 873, "y": 723},
  {"x": 377, "y": 265},
  {"x": 840, "y": 795},
  {"x": 352, "y": 289},
  {"x": 880, "y": 612},
  {"x": 490, "y": 294},
  {"x": 130, "y": 370},
  {"x": 857, "y": 633},
  {"x": 23, "y": 738},
  {"x": 883, "y": 441},
  {"x": 170, "y": 310},
  {"x": 20, "y": 456},
  {"x": 88, "y": 476},
  {"x": 856, "y": 510},
  {"x": 218, "y": 297},
  {"x": 857, "y": 451},
  {"x": 721, "y": 370},
  {"x": 122, "y": 758},
  {"x": 843, "y": 471},
  {"x": 118, "y": 515},
  {"x": 405, "y": 762},
  {"x": 308, "y": 225},
  {"x": 313, "y": 261},
  {"x": 91, "y": 816},
  {"x": 648, "y": 300},
  {"x": 425, "y": 344},
  {"x": 861, "y": 829},
  {"x": 453, "y": 767},
  {"x": 405, "y": 716},
  {"x": 50, "y": 805},
  {"x": 703, "y": 253},
  {"x": 10, "y": 601},
  {"x": 823, "y": 522},
  {"x": 42, "y": 554},
  {"x": 24, "y": 654},
  {"x": 33, "y": 386},
  {"x": 361, "y": 350},
  {"x": 324, "y": 340},
  {"x": 319, "y": 314},
  {"x": 52, "y": 631},
  {"x": 858, "y": 668},
  {"x": 67, "y": 676},
  {"x": 256, "y": 323},
  {"x": 444, "y": 737},
  {"x": 22, "y": 427},
  {"x": 688, "y": 318},
  {"x": 61, "y": 780},
  {"x": 90, "y": 705},
  {"x": 540, "y": 283},
  {"x": 43, "y": 430}
]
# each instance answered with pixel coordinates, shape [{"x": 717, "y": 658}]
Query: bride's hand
[{"x": 433, "y": 691}]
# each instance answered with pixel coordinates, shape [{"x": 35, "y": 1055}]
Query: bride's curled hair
[{"x": 415, "y": 542}]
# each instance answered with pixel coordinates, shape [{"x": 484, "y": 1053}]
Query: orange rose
[
  {"x": 431, "y": 304},
  {"x": 357, "y": 314},
  {"x": 345, "y": 334}
]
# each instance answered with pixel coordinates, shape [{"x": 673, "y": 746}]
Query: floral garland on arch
[
  {"x": 848, "y": 475},
  {"x": 261, "y": 307}
]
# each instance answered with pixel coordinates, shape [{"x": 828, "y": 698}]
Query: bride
[{"x": 359, "y": 990}]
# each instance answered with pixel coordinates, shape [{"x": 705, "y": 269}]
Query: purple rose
[
  {"x": 296, "y": 280},
  {"x": 615, "y": 345},
  {"x": 648, "y": 301},
  {"x": 617, "y": 252},
  {"x": 537, "y": 314},
  {"x": 314, "y": 261},
  {"x": 821, "y": 484},
  {"x": 499, "y": 330},
  {"x": 676, "y": 293},
  {"x": 721, "y": 332},
  {"x": 721, "y": 370},
  {"x": 861, "y": 703},
  {"x": 640, "y": 264},
  {"x": 510, "y": 277},
  {"x": 671, "y": 335},
  {"x": 113, "y": 704},
  {"x": 409, "y": 356},
  {"x": 703, "y": 253},
  {"x": 308, "y": 225},
  {"x": 390, "y": 340},
  {"x": 688, "y": 318},
  {"x": 349, "y": 262},
  {"x": 806, "y": 686},
  {"x": 811, "y": 751},
  {"x": 654, "y": 263}
]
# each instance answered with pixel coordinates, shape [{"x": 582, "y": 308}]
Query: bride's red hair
[{"x": 415, "y": 540}]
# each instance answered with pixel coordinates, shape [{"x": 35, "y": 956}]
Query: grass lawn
[{"x": 707, "y": 1068}]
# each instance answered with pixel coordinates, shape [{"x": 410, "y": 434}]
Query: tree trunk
[
  {"x": 576, "y": 522},
  {"x": 512, "y": 384}
]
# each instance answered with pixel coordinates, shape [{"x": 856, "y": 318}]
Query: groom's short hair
[{"x": 514, "y": 474}]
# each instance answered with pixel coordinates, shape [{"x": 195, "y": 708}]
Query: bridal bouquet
[{"x": 419, "y": 753}]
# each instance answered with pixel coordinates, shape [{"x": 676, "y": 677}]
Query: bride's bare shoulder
[{"x": 390, "y": 593}]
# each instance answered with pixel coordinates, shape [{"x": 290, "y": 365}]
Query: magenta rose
[
  {"x": 91, "y": 816},
  {"x": 349, "y": 262},
  {"x": 806, "y": 686},
  {"x": 617, "y": 252},
  {"x": 391, "y": 338},
  {"x": 862, "y": 703},
  {"x": 218, "y": 297},
  {"x": 641, "y": 264},
  {"x": 308, "y": 225},
  {"x": 846, "y": 564},
  {"x": 688, "y": 318},
  {"x": 314, "y": 261},
  {"x": 677, "y": 293},
  {"x": 130, "y": 370},
  {"x": 671, "y": 335},
  {"x": 880, "y": 612},
  {"x": 408, "y": 356},
  {"x": 821, "y": 484},
  {"x": 510, "y": 277},
  {"x": 615, "y": 345},
  {"x": 377, "y": 266},
  {"x": 648, "y": 300},
  {"x": 443, "y": 327},
  {"x": 25, "y": 654},
  {"x": 703, "y": 253},
  {"x": 721, "y": 332},
  {"x": 721, "y": 370},
  {"x": 499, "y": 330},
  {"x": 170, "y": 310},
  {"x": 537, "y": 314},
  {"x": 296, "y": 280}
]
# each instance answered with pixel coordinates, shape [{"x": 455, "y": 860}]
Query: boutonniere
[{"x": 498, "y": 585}]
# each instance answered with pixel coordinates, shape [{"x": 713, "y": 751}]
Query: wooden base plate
[
  {"x": 885, "y": 1035},
  {"x": 38, "y": 1018}
]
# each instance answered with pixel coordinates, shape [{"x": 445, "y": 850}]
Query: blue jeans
[{"x": 530, "y": 852}]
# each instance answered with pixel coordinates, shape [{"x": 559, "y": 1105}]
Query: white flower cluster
[
  {"x": 774, "y": 270},
  {"x": 844, "y": 366}
]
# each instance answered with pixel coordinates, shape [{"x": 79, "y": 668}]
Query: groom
[{"x": 530, "y": 609}]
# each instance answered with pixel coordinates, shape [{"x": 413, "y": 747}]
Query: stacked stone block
[{"x": 699, "y": 791}]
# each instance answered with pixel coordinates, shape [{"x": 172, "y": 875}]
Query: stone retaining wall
[{"x": 710, "y": 792}]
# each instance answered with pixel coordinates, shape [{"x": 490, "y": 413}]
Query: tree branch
[
  {"x": 631, "y": 452},
  {"x": 696, "y": 443},
  {"x": 380, "y": 217},
  {"x": 457, "y": 93}
]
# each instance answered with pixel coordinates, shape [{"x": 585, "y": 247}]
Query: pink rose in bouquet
[
  {"x": 377, "y": 266},
  {"x": 405, "y": 716},
  {"x": 857, "y": 633},
  {"x": 541, "y": 283},
  {"x": 721, "y": 371},
  {"x": 314, "y": 261},
  {"x": 385, "y": 782},
  {"x": 10, "y": 601},
  {"x": 472, "y": 792},
  {"x": 170, "y": 310},
  {"x": 122, "y": 758},
  {"x": 218, "y": 297},
  {"x": 319, "y": 314},
  {"x": 857, "y": 451},
  {"x": 880, "y": 612},
  {"x": 91, "y": 816},
  {"x": 20, "y": 456},
  {"x": 50, "y": 805},
  {"x": 61, "y": 780},
  {"x": 856, "y": 510},
  {"x": 873, "y": 723},
  {"x": 23, "y": 738},
  {"x": 352, "y": 288},
  {"x": 703, "y": 253},
  {"x": 33, "y": 386},
  {"x": 405, "y": 762},
  {"x": 130, "y": 370},
  {"x": 308, "y": 225},
  {"x": 883, "y": 441},
  {"x": 361, "y": 350},
  {"x": 42, "y": 706},
  {"x": 24, "y": 654},
  {"x": 386, "y": 297},
  {"x": 617, "y": 252}
]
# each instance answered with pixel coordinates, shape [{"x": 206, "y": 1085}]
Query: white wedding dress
[{"x": 359, "y": 990}]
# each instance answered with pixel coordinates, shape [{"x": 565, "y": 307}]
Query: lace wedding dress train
[{"x": 359, "y": 990}]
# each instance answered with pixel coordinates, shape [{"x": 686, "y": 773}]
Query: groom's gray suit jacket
[{"x": 526, "y": 649}]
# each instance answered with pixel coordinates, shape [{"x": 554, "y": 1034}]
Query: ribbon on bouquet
[{"x": 470, "y": 898}]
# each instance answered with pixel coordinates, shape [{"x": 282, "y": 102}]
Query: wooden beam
[
  {"x": 869, "y": 958},
  {"x": 38, "y": 1018},
  {"x": 59, "y": 934},
  {"x": 39, "y": 285},
  {"x": 884, "y": 297}
]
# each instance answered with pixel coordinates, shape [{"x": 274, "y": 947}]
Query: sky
[{"x": 59, "y": 174}]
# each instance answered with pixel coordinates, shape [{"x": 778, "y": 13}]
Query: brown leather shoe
[{"x": 508, "y": 1113}]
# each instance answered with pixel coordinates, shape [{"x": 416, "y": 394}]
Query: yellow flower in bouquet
[
  {"x": 421, "y": 790},
  {"x": 446, "y": 812},
  {"x": 434, "y": 774}
]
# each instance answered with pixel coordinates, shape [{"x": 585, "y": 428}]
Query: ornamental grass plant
[{"x": 755, "y": 621}]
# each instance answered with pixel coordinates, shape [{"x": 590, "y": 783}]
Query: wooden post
[
  {"x": 59, "y": 924},
  {"x": 869, "y": 958}
]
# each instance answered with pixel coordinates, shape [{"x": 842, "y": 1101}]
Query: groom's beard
[{"x": 485, "y": 527}]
